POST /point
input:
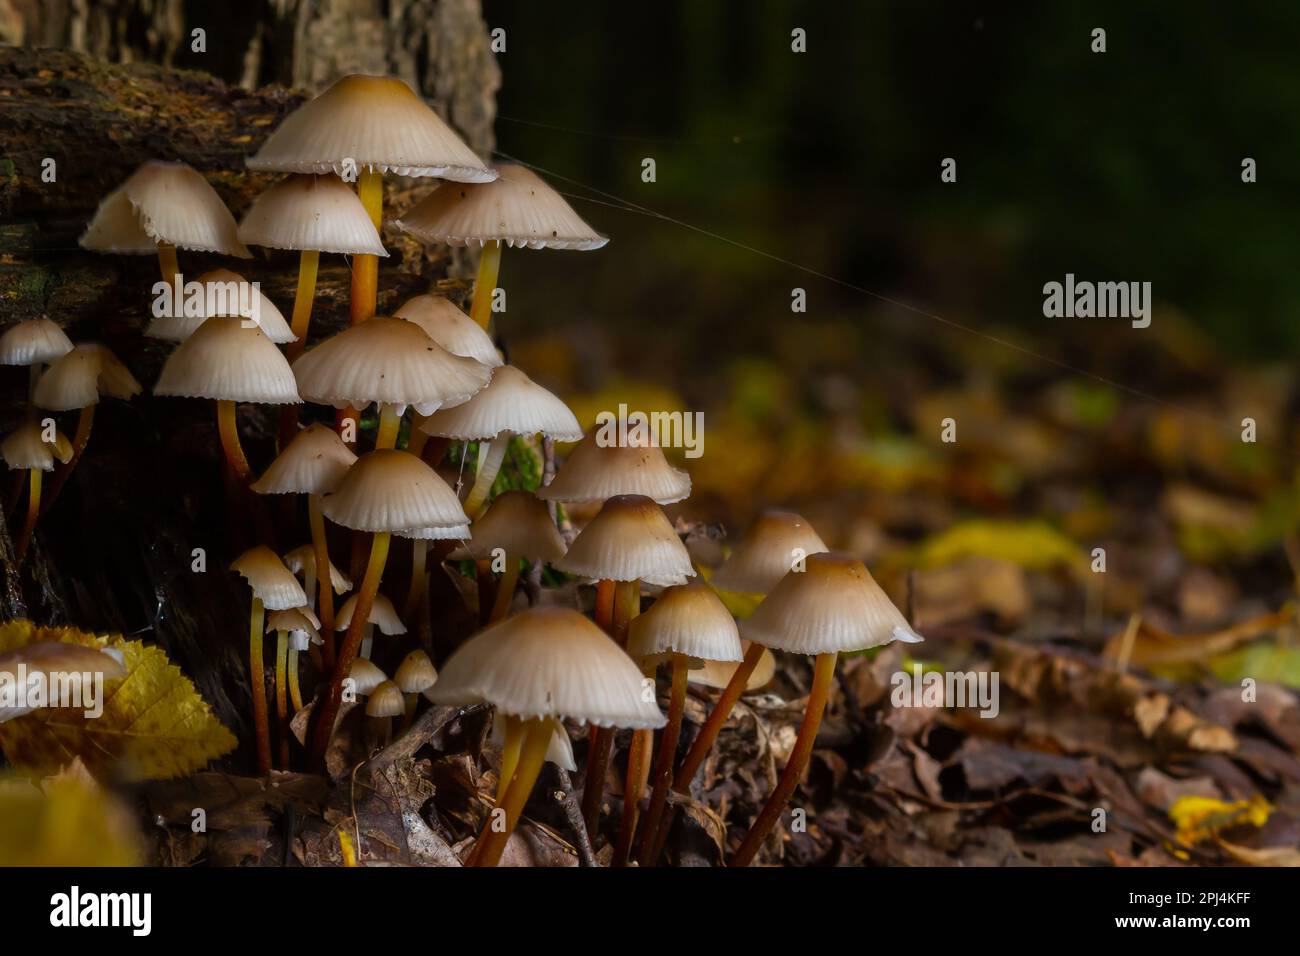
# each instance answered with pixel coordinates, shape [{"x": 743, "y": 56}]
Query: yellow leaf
[
  {"x": 154, "y": 724},
  {"x": 1031, "y": 544},
  {"x": 1199, "y": 818},
  {"x": 66, "y": 821}
]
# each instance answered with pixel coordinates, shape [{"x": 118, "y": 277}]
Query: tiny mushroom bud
[
  {"x": 415, "y": 675},
  {"x": 385, "y": 703}
]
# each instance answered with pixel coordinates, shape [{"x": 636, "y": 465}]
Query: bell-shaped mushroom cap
[
  {"x": 451, "y": 328},
  {"x": 834, "y": 604},
  {"x": 385, "y": 701},
  {"x": 718, "y": 674},
  {"x": 518, "y": 209},
  {"x": 512, "y": 402},
  {"x": 382, "y": 614},
  {"x": 26, "y": 447},
  {"x": 389, "y": 490},
  {"x": 519, "y": 524},
  {"x": 595, "y": 472},
  {"x": 365, "y": 676},
  {"x": 629, "y": 539},
  {"x": 318, "y": 213},
  {"x": 390, "y": 361},
  {"x": 35, "y": 341},
  {"x": 369, "y": 121},
  {"x": 163, "y": 202},
  {"x": 294, "y": 619},
  {"x": 458, "y": 532},
  {"x": 416, "y": 673},
  {"x": 548, "y": 662},
  {"x": 225, "y": 293},
  {"x": 771, "y": 548},
  {"x": 270, "y": 580},
  {"x": 229, "y": 361},
  {"x": 312, "y": 464},
  {"x": 688, "y": 619},
  {"x": 77, "y": 379},
  {"x": 302, "y": 560}
]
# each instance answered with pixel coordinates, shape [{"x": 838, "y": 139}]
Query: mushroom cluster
[{"x": 436, "y": 380}]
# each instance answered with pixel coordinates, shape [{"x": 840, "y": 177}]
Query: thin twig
[{"x": 574, "y": 814}]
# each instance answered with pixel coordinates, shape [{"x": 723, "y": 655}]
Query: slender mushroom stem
[
  {"x": 505, "y": 589},
  {"x": 389, "y": 424},
  {"x": 33, "y": 510},
  {"x": 323, "y": 727},
  {"x": 704, "y": 740},
  {"x": 367, "y": 641},
  {"x": 84, "y": 422},
  {"x": 633, "y": 783},
  {"x": 627, "y": 601},
  {"x": 409, "y": 703},
  {"x": 487, "y": 474},
  {"x": 295, "y": 690},
  {"x": 485, "y": 283},
  {"x": 324, "y": 586},
  {"x": 483, "y": 579},
  {"x": 663, "y": 771},
  {"x": 167, "y": 263},
  {"x": 514, "y": 742},
  {"x": 605, "y": 593},
  {"x": 823, "y": 676},
  {"x": 308, "y": 263},
  {"x": 257, "y": 684},
  {"x": 365, "y": 268},
  {"x": 419, "y": 558},
  {"x": 492, "y": 841},
  {"x": 228, "y": 429},
  {"x": 281, "y": 695}
]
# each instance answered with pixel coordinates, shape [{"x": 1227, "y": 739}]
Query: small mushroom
[
  {"x": 76, "y": 380},
  {"x": 630, "y": 541},
  {"x": 294, "y": 629},
  {"x": 414, "y": 676},
  {"x": 596, "y": 472},
  {"x": 832, "y": 606},
  {"x": 386, "y": 491},
  {"x": 274, "y": 588},
  {"x": 545, "y": 664},
  {"x": 163, "y": 207},
  {"x": 516, "y": 209},
  {"x": 385, "y": 703},
  {"x": 226, "y": 294},
  {"x": 382, "y": 615},
  {"x": 26, "y": 448}
]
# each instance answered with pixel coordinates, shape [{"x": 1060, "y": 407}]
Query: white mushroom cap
[
  {"x": 596, "y": 472},
  {"x": 163, "y": 202},
  {"x": 295, "y": 620},
  {"x": 451, "y": 328},
  {"x": 390, "y": 361},
  {"x": 369, "y": 121},
  {"x": 385, "y": 701},
  {"x": 312, "y": 464},
  {"x": 834, "y": 604},
  {"x": 548, "y": 662},
  {"x": 518, "y": 523},
  {"x": 416, "y": 673},
  {"x": 225, "y": 293},
  {"x": 270, "y": 580},
  {"x": 518, "y": 209},
  {"x": 365, "y": 675},
  {"x": 630, "y": 539},
  {"x": 229, "y": 361},
  {"x": 319, "y": 213},
  {"x": 764, "y": 556},
  {"x": 33, "y": 342},
  {"x": 391, "y": 490},
  {"x": 302, "y": 561},
  {"x": 511, "y": 402},
  {"x": 25, "y": 447},
  {"x": 688, "y": 619},
  {"x": 77, "y": 379},
  {"x": 382, "y": 614}
]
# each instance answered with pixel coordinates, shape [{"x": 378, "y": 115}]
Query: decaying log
[{"x": 117, "y": 551}]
